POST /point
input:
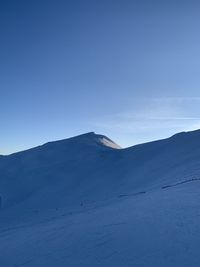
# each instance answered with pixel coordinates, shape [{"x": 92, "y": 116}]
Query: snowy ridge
[
  {"x": 89, "y": 139},
  {"x": 83, "y": 201}
]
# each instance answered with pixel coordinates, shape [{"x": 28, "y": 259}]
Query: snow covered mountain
[{"x": 85, "y": 201}]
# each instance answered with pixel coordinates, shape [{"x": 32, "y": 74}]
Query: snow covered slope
[{"x": 84, "y": 201}]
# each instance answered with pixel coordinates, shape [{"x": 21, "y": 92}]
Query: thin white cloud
[{"x": 154, "y": 114}]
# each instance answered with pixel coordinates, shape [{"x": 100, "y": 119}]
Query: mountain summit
[{"x": 90, "y": 138}]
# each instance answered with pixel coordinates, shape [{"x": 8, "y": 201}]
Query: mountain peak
[
  {"x": 93, "y": 138},
  {"x": 88, "y": 139}
]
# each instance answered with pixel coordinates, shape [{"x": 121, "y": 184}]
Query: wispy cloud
[{"x": 155, "y": 114}]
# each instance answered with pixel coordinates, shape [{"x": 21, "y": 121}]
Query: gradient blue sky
[{"x": 126, "y": 69}]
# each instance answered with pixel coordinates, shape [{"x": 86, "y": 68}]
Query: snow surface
[{"x": 85, "y": 202}]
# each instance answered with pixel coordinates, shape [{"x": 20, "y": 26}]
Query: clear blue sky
[{"x": 127, "y": 69}]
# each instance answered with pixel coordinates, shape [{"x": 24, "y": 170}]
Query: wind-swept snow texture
[{"x": 85, "y": 202}]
